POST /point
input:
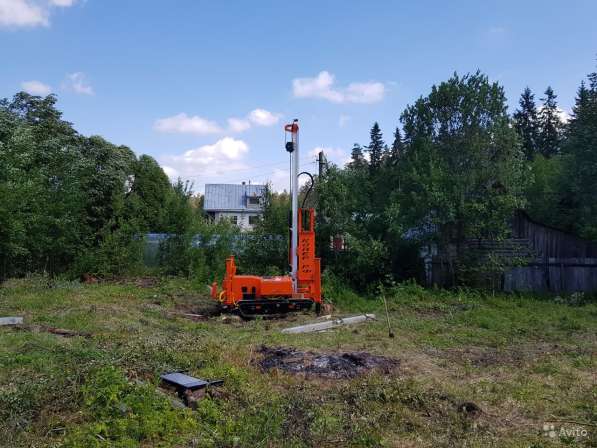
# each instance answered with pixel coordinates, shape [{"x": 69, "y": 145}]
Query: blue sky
[{"x": 205, "y": 87}]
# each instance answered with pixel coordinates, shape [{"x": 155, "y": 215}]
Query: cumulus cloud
[
  {"x": 22, "y": 13},
  {"x": 323, "y": 86},
  {"x": 62, "y": 3},
  {"x": 184, "y": 124},
  {"x": 225, "y": 161},
  {"x": 262, "y": 117},
  {"x": 28, "y": 13},
  {"x": 36, "y": 88},
  {"x": 77, "y": 82},
  {"x": 257, "y": 117},
  {"x": 207, "y": 163},
  {"x": 238, "y": 124}
]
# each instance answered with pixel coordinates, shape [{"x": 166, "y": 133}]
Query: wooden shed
[
  {"x": 562, "y": 262},
  {"x": 554, "y": 261}
]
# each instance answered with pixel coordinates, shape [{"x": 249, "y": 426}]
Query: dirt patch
[
  {"x": 146, "y": 282},
  {"x": 490, "y": 356},
  {"x": 324, "y": 365},
  {"x": 57, "y": 331},
  {"x": 189, "y": 303}
]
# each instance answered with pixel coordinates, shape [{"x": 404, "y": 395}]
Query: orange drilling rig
[{"x": 251, "y": 294}]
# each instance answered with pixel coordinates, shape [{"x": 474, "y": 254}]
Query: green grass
[{"x": 522, "y": 360}]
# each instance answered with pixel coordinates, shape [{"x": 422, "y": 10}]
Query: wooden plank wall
[{"x": 561, "y": 262}]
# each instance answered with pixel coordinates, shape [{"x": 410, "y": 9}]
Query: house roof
[{"x": 232, "y": 197}]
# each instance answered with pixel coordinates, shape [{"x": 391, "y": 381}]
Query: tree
[
  {"x": 150, "y": 192},
  {"x": 397, "y": 147},
  {"x": 526, "y": 123},
  {"x": 462, "y": 176},
  {"x": 70, "y": 202},
  {"x": 357, "y": 158},
  {"x": 580, "y": 161},
  {"x": 550, "y": 125},
  {"x": 376, "y": 147}
]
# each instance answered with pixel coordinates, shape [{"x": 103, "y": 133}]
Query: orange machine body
[{"x": 259, "y": 293}]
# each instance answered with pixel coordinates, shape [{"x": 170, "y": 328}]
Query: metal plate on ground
[{"x": 184, "y": 381}]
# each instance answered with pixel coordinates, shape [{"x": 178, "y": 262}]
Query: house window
[
  {"x": 234, "y": 219},
  {"x": 253, "y": 219},
  {"x": 254, "y": 201}
]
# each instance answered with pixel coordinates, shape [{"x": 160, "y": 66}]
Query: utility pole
[
  {"x": 319, "y": 215},
  {"x": 321, "y": 160}
]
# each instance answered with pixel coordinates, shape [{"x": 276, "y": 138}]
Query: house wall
[{"x": 242, "y": 218}]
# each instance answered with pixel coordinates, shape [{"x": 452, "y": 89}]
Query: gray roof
[{"x": 232, "y": 197}]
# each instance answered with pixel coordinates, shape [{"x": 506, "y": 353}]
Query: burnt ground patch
[{"x": 323, "y": 365}]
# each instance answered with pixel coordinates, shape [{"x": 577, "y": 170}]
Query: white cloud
[
  {"x": 77, "y": 82},
  {"x": 257, "y": 117},
  {"x": 322, "y": 86},
  {"x": 172, "y": 173},
  {"x": 365, "y": 92},
  {"x": 36, "y": 87},
  {"x": 238, "y": 124},
  {"x": 22, "y": 13},
  {"x": 228, "y": 148},
  {"x": 208, "y": 163},
  {"x": 262, "y": 117},
  {"x": 62, "y": 3},
  {"x": 563, "y": 114},
  {"x": 225, "y": 161},
  {"x": 184, "y": 124},
  {"x": 29, "y": 13}
]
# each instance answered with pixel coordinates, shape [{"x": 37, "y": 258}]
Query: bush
[
  {"x": 123, "y": 415},
  {"x": 119, "y": 253}
]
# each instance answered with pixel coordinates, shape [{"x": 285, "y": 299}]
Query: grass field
[{"x": 524, "y": 362}]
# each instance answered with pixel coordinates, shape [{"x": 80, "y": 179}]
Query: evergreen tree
[
  {"x": 550, "y": 125},
  {"x": 526, "y": 123},
  {"x": 397, "y": 147},
  {"x": 580, "y": 172},
  {"x": 357, "y": 157},
  {"x": 581, "y": 101},
  {"x": 376, "y": 147}
]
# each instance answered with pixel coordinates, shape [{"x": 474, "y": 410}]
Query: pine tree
[
  {"x": 550, "y": 125},
  {"x": 357, "y": 157},
  {"x": 580, "y": 175},
  {"x": 397, "y": 147},
  {"x": 525, "y": 122},
  {"x": 376, "y": 147},
  {"x": 581, "y": 101}
]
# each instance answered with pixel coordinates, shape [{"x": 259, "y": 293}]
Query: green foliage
[
  {"x": 458, "y": 173},
  {"x": 527, "y": 124},
  {"x": 376, "y": 147},
  {"x": 463, "y": 174},
  {"x": 72, "y": 203},
  {"x": 266, "y": 248},
  {"x": 126, "y": 415},
  {"x": 579, "y": 173},
  {"x": 550, "y": 125}
]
